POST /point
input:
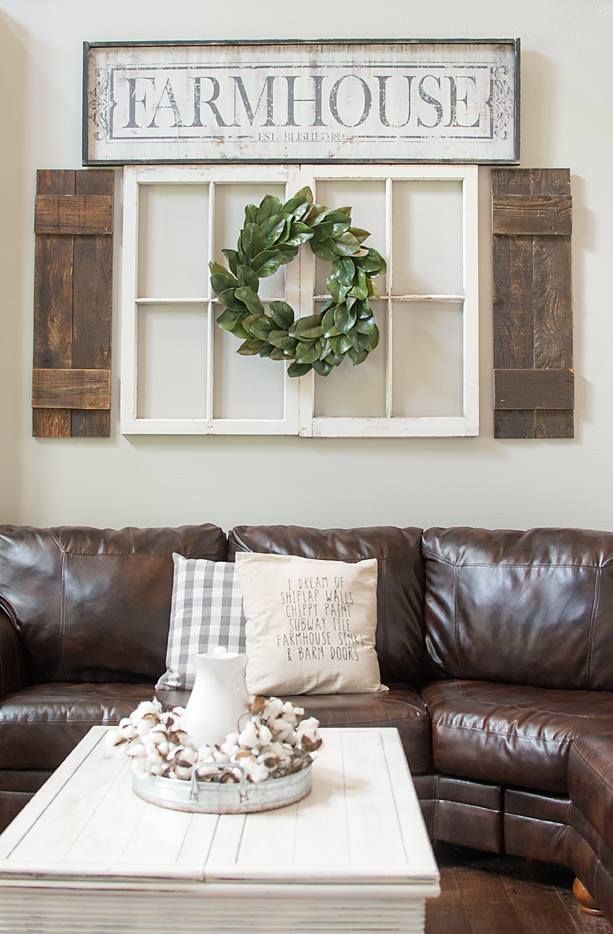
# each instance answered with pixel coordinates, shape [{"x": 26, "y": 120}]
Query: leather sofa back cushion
[
  {"x": 94, "y": 604},
  {"x": 530, "y": 607},
  {"x": 400, "y": 585}
]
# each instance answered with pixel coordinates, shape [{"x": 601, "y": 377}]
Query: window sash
[{"x": 299, "y": 394}]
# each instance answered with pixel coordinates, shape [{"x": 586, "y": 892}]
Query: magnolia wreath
[{"x": 271, "y": 237}]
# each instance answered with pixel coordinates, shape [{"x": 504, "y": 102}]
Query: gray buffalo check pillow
[{"x": 206, "y": 611}]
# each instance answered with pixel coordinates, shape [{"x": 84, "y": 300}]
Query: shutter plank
[
  {"x": 533, "y": 389},
  {"x": 532, "y": 297},
  {"x": 73, "y": 214},
  {"x": 75, "y": 389},
  {"x": 93, "y": 303},
  {"x": 532, "y": 215},
  {"x": 53, "y": 271}
]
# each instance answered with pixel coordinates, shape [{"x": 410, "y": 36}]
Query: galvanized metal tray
[{"x": 231, "y": 798}]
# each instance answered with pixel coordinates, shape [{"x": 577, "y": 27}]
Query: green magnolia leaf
[
  {"x": 247, "y": 277},
  {"x": 299, "y": 234},
  {"x": 227, "y": 320},
  {"x": 278, "y": 354},
  {"x": 347, "y": 244},
  {"x": 327, "y": 321},
  {"x": 345, "y": 318},
  {"x": 308, "y": 353},
  {"x": 266, "y": 350},
  {"x": 366, "y": 326},
  {"x": 273, "y": 229},
  {"x": 344, "y": 210},
  {"x": 343, "y": 344},
  {"x": 307, "y": 328},
  {"x": 360, "y": 287},
  {"x": 282, "y": 314},
  {"x": 286, "y": 253},
  {"x": 248, "y": 321},
  {"x": 326, "y": 249},
  {"x": 250, "y": 298},
  {"x": 364, "y": 309},
  {"x": 227, "y": 298},
  {"x": 325, "y": 231},
  {"x": 262, "y": 328},
  {"x": 269, "y": 205},
  {"x": 252, "y": 241},
  {"x": 265, "y": 263},
  {"x": 251, "y": 214},
  {"x": 221, "y": 279},
  {"x": 322, "y": 367},
  {"x": 335, "y": 359},
  {"x": 232, "y": 257},
  {"x": 302, "y": 197},
  {"x": 357, "y": 356},
  {"x": 344, "y": 270},
  {"x": 372, "y": 263},
  {"x": 359, "y": 234},
  {"x": 317, "y": 212},
  {"x": 250, "y": 347},
  {"x": 298, "y": 369}
]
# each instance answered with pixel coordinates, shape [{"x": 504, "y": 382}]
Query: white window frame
[
  {"x": 299, "y": 394},
  {"x": 131, "y": 423}
]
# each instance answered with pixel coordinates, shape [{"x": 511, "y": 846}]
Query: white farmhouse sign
[{"x": 302, "y": 101}]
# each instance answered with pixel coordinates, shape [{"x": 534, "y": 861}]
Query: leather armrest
[{"x": 12, "y": 668}]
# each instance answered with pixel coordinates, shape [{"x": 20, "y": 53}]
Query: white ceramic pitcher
[{"x": 219, "y": 696}]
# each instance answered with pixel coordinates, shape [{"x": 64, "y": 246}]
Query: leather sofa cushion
[
  {"x": 515, "y": 736},
  {"x": 40, "y": 725},
  {"x": 401, "y": 707},
  {"x": 400, "y": 586},
  {"x": 590, "y": 781},
  {"x": 94, "y": 604},
  {"x": 521, "y": 607}
]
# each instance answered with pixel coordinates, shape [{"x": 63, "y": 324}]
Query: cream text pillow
[{"x": 310, "y": 625}]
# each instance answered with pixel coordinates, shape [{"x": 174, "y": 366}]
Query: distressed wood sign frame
[{"x": 302, "y": 101}]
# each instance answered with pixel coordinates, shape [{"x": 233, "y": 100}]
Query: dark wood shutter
[
  {"x": 73, "y": 297},
  {"x": 533, "y": 318}
]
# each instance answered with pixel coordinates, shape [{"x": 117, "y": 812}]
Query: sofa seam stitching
[
  {"x": 501, "y": 735},
  {"x": 63, "y": 616},
  {"x": 523, "y": 564},
  {"x": 599, "y": 775},
  {"x": 590, "y": 640},
  {"x": 390, "y": 554}
]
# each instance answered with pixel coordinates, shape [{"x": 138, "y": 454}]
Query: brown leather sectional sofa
[{"x": 497, "y": 647}]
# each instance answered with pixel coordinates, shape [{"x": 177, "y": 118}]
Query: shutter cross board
[
  {"x": 73, "y": 276},
  {"x": 533, "y": 318}
]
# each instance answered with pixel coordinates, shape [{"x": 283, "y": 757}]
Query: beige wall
[{"x": 566, "y": 121}]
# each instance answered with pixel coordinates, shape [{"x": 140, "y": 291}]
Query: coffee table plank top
[{"x": 361, "y": 823}]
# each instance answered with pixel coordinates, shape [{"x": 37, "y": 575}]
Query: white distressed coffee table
[{"x": 86, "y": 855}]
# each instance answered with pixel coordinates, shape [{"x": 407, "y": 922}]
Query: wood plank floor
[{"x": 483, "y": 894}]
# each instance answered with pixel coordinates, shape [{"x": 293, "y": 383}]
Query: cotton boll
[
  {"x": 183, "y": 772},
  {"x": 230, "y": 744},
  {"x": 308, "y": 736},
  {"x": 206, "y": 754},
  {"x": 280, "y": 729},
  {"x": 144, "y": 709},
  {"x": 248, "y": 737},
  {"x": 256, "y": 771},
  {"x": 264, "y": 735},
  {"x": 274, "y": 707}
]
